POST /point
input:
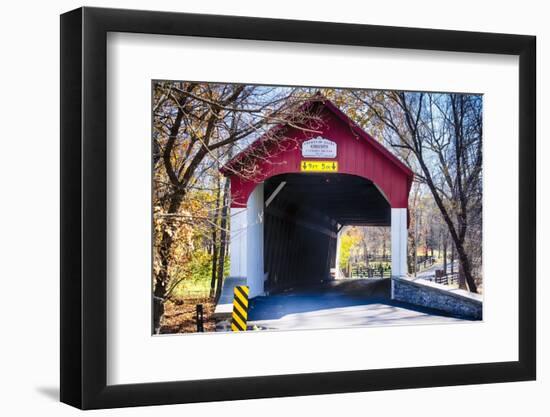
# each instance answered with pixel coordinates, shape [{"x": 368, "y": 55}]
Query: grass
[
  {"x": 192, "y": 288},
  {"x": 196, "y": 278}
]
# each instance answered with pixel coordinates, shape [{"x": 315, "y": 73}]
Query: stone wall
[{"x": 459, "y": 303}]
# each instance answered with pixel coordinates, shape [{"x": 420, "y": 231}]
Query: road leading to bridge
[{"x": 338, "y": 304}]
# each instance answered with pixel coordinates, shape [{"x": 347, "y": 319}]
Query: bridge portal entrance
[
  {"x": 303, "y": 217},
  {"x": 290, "y": 200}
]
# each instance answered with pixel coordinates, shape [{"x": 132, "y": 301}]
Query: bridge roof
[{"x": 358, "y": 153}]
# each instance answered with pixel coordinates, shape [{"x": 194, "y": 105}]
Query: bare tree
[
  {"x": 443, "y": 132},
  {"x": 194, "y": 126}
]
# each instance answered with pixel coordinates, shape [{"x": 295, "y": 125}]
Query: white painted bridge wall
[{"x": 399, "y": 242}]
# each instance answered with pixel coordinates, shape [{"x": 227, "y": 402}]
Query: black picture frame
[{"x": 84, "y": 207}]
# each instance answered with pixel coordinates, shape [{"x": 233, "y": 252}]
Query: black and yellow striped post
[{"x": 240, "y": 308}]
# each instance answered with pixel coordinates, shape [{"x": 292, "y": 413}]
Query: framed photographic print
[{"x": 257, "y": 208}]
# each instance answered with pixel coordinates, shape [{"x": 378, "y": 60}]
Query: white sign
[{"x": 319, "y": 147}]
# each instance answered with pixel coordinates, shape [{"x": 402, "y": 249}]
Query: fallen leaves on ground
[{"x": 181, "y": 317}]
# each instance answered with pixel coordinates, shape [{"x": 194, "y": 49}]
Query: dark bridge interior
[{"x": 302, "y": 221}]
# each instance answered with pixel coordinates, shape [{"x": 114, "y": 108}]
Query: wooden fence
[
  {"x": 370, "y": 272},
  {"x": 448, "y": 279}
]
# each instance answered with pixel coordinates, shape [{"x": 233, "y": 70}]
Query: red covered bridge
[{"x": 287, "y": 212}]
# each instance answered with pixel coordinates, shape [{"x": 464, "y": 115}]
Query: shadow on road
[{"x": 331, "y": 295}]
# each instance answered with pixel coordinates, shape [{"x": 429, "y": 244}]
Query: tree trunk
[
  {"x": 461, "y": 278},
  {"x": 162, "y": 278},
  {"x": 214, "y": 262},
  {"x": 439, "y": 244},
  {"x": 452, "y": 259},
  {"x": 445, "y": 257},
  {"x": 215, "y": 241},
  {"x": 223, "y": 238}
]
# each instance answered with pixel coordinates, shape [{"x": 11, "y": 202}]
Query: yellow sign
[{"x": 319, "y": 166}]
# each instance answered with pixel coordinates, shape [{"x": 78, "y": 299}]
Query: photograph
[
  {"x": 265, "y": 209},
  {"x": 278, "y": 208}
]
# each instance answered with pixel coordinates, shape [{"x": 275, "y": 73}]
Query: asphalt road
[{"x": 338, "y": 304}]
